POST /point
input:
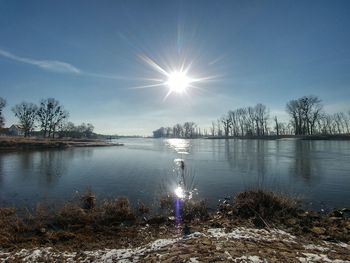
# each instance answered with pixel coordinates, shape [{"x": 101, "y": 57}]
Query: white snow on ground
[
  {"x": 316, "y": 247},
  {"x": 123, "y": 255},
  {"x": 160, "y": 245},
  {"x": 250, "y": 259},
  {"x": 310, "y": 257},
  {"x": 107, "y": 255},
  {"x": 339, "y": 244},
  {"x": 252, "y": 234}
]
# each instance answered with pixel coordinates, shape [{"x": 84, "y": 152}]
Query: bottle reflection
[{"x": 185, "y": 181}]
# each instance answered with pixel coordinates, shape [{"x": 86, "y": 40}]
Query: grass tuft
[
  {"x": 117, "y": 210},
  {"x": 188, "y": 209},
  {"x": 266, "y": 205}
]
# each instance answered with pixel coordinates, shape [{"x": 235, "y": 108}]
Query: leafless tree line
[
  {"x": 84, "y": 130},
  {"x": 2, "y": 105},
  {"x": 186, "y": 130},
  {"x": 50, "y": 116},
  {"x": 242, "y": 122},
  {"x": 307, "y": 117}
]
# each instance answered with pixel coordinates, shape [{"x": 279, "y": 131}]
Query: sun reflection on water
[
  {"x": 185, "y": 187},
  {"x": 181, "y": 146},
  {"x": 179, "y": 192}
]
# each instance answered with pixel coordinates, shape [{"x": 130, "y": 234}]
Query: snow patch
[
  {"x": 310, "y": 257},
  {"x": 316, "y": 247},
  {"x": 250, "y": 259},
  {"x": 252, "y": 234},
  {"x": 193, "y": 260}
]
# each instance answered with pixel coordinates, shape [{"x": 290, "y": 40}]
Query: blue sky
[{"x": 87, "y": 54}]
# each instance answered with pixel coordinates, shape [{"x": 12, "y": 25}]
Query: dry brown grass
[
  {"x": 117, "y": 210},
  {"x": 83, "y": 224},
  {"x": 188, "y": 209},
  {"x": 9, "y": 224},
  {"x": 264, "y": 203}
]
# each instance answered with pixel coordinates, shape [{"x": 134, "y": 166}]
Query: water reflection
[
  {"x": 248, "y": 157},
  {"x": 305, "y": 162},
  {"x": 185, "y": 186},
  {"x": 181, "y": 146},
  {"x": 218, "y": 168},
  {"x": 1, "y": 173},
  {"x": 52, "y": 165},
  {"x": 26, "y": 161}
]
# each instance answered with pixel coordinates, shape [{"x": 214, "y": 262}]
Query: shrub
[{"x": 264, "y": 204}]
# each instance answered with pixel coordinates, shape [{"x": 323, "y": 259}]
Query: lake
[{"x": 144, "y": 169}]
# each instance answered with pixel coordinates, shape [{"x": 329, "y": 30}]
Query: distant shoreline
[
  {"x": 20, "y": 143},
  {"x": 279, "y": 137}
]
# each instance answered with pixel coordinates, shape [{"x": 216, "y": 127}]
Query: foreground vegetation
[{"x": 115, "y": 223}]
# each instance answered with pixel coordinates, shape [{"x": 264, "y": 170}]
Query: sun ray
[
  {"x": 147, "y": 86},
  {"x": 167, "y": 95},
  {"x": 154, "y": 65}
]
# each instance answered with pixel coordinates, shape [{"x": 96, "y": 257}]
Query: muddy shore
[{"x": 14, "y": 143}]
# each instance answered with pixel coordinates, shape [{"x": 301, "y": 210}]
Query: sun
[{"x": 178, "y": 81}]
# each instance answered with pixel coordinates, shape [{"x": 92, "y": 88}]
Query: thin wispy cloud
[{"x": 50, "y": 65}]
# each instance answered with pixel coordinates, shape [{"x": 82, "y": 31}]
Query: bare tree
[
  {"x": 159, "y": 133},
  {"x": 189, "y": 129},
  {"x": 339, "y": 119},
  {"x": 212, "y": 129},
  {"x": 218, "y": 127},
  {"x": 261, "y": 117},
  {"x": 177, "y": 131},
  {"x": 2, "y": 105},
  {"x": 26, "y": 114},
  {"x": 313, "y": 109},
  {"x": 233, "y": 123},
  {"x": 277, "y": 126},
  {"x": 226, "y": 122},
  {"x": 305, "y": 113},
  {"x": 168, "y": 132},
  {"x": 241, "y": 114},
  {"x": 50, "y": 115},
  {"x": 250, "y": 120},
  {"x": 295, "y": 112}
]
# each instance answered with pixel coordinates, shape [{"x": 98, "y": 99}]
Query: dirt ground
[{"x": 239, "y": 244}]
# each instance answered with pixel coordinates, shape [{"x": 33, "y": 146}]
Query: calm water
[{"x": 318, "y": 171}]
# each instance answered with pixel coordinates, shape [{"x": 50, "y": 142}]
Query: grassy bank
[
  {"x": 20, "y": 143},
  {"x": 115, "y": 223}
]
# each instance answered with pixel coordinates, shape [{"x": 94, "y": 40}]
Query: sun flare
[
  {"x": 178, "y": 81},
  {"x": 179, "y": 192},
  {"x": 175, "y": 79}
]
